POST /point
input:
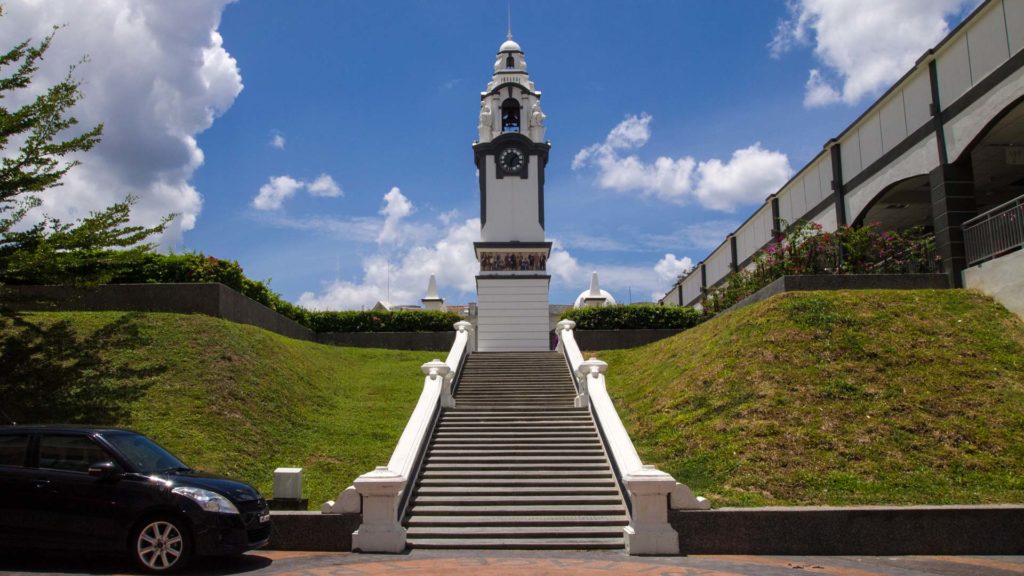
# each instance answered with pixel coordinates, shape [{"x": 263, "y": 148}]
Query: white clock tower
[{"x": 512, "y": 287}]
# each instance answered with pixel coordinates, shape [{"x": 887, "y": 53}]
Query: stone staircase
[{"x": 515, "y": 465}]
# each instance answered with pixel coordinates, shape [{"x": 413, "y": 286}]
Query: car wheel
[{"x": 161, "y": 544}]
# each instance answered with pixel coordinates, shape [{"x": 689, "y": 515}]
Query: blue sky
[{"x": 670, "y": 121}]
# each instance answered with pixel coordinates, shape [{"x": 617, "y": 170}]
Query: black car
[{"x": 109, "y": 489}]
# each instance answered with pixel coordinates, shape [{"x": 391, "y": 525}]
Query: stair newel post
[
  {"x": 649, "y": 531},
  {"x": 380, "y": 530}
]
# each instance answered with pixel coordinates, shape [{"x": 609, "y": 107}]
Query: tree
[{"x": 88, "y": 251}]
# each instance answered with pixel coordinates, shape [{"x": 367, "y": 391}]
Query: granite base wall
[
  {"x": 312, "y": 531},
  {"x": 846, "y": 282},
  {"x": 619, "y": 339},
  {"x": 428, "y": 341},
  {"x": 212, "y": 299},
  {"x": 865, "y": 531}
]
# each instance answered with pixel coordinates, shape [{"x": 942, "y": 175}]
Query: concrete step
[
  {"x": 497, "y": 510},
  {"x": 487, "y": 532},
  {"x": 518, "y": 543},
  {"x": 471, "y": 475},
  {"x": 563, "y": 443},
  {"x": 511, "y": 432},
  {"x": 512, "y": 499},
  {"x": 523, "y": 520},
  {"x": 513, "y": 482},
  {"x": 524, "y": 491},
  {"x": 510, "y": 459},
  {"x": 541, "y": 451},
  {"x": 503, "y": 465},
  {"x": 470, "y": 440},
  {"x": 503, "y": 428}
]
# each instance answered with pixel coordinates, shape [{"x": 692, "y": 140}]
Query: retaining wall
[
  {"x": 846, "y": 282},
  {"x": 617, "y": 339},
  {"x": 861, "y": 531},
  {"x": 312, "y": 531},
  {"x": 435, "y": 341},
  {"x": 798, "y": 531},
  {"x": 212, "y": 299}
]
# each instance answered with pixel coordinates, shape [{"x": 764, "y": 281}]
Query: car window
[
  {"x": 69, "y": 452},
  {"x": 13, "y": 449},
  {"x": 144, "y": 455}
]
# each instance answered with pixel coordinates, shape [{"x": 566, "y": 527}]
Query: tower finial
[{"x": 509, "y": 19}]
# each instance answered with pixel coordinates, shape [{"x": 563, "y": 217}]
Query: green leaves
[
  {"x": 89, "y": 251},
  {"x": 633, "y": 316},
  {"x": 383, "y": 321}
]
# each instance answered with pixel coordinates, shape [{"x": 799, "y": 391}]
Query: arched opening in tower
[{"x": 510, "y": 115}]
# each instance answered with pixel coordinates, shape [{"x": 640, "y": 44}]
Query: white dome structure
[
  {"x": 509, "y": 45},
  {"x": 595, "y": 297}
]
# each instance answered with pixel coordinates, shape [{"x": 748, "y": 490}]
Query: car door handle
[{"x": 40, "y": 484}]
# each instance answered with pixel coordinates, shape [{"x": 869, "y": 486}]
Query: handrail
[
  {"x": 650, "y": 491},
  {"x": 384, "y": 492},
  {"x": 994, "y": 232}
]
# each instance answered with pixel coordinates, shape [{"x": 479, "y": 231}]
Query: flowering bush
[{"x": 806, "y": 249}]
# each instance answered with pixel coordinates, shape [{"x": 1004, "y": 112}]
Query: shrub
[
  {"x": 805, "y": 249},
  {"x": 633, "y": 316},
  {"x": 383, "y": 321}
]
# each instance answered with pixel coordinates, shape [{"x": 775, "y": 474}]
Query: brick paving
[{"x": 526, "y": 563}]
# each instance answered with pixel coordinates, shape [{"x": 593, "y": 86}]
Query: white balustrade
[
  {"x": 651, "y": 491},
  {"x": 380, "y": 491}
]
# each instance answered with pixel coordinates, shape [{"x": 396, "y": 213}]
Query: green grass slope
[
  {"x": 858, "y": 397},
  {"x": 227, "y": 398}
]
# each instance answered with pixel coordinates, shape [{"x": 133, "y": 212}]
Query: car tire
[{"x": 161, "y": 544}]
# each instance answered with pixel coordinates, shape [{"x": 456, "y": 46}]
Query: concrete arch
[{"x": 900, "y": 205}]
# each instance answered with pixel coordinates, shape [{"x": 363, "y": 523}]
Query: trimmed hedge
[
  {"x": 633, "y": 317},
  {"x": 383, "y": 321}
]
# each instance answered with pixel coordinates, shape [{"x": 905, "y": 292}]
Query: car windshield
[{"x": 144, "y": 455}]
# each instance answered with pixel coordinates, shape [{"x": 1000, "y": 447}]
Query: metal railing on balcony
[{"x": 994, "y": 233}]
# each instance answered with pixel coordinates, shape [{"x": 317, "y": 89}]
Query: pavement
[{"x": 530, "y": 563}]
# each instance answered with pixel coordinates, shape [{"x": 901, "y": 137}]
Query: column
[{"x": 952, "y": 204}]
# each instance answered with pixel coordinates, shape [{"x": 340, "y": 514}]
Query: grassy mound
[
  {"x": 226, "y": 398},
  {"x": 859, "y": 397}
]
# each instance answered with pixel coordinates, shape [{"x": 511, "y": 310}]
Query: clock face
[{"x": 512, "y": 160}]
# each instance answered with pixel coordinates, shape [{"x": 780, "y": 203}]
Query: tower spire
[{"x": 509, "y": 36}]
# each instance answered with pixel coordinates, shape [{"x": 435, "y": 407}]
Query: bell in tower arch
[{"x": 510, "y": 115}]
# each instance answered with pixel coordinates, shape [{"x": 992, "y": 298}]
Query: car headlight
[{"x": 207, "y": 500}]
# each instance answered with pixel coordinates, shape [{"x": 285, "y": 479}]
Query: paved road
[{"x": 440, "y": 563}]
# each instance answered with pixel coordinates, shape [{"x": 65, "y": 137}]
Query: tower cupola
[{"x": 511, "y": 103}]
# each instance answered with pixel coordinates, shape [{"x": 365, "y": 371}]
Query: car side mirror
[{"x": 103, "y": 469}]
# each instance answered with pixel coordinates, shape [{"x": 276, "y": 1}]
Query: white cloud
[
  {"x": 157, "y": 76},
  {"x": 866, "y": 45},
  {"x": 396, "y": 207},
  {"x": 751, "y": 175},
  {"x": 324, "y": 186},
  {"x": 669, "y": 267},
  {"x": 748, "y": 177},
  {"x": 277, "y": 141},
  {"x": 275, "y": 192},
  {"x": 818, "y": 92},
  {"x": 448, "y": 217},
  {"x": 280, "y": 188},
  {"x": 563, "y": 267},
  {"x": 404, "y": 277}
]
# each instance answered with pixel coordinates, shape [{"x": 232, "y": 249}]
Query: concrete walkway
[{"x": 454, "y": 563}]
